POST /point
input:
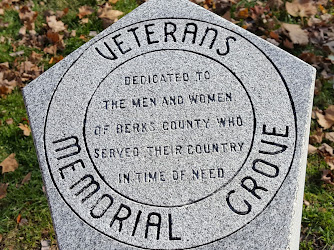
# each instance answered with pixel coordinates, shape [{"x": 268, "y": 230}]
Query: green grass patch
[
  {"x": 14, "y": 24},
  {"x": 326, "y": 96},
  {"x": 318, "y": 217},
  {"x": 28, "y": 200},
  {"x": 126, "y": 6}
]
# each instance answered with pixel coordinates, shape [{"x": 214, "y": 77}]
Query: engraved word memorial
[{"x": 174, "y": 129}]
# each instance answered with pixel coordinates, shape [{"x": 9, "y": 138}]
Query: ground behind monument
[{"x": 34, "y": 35}]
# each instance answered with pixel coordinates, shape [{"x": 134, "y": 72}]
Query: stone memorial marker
[{"x": 174, "y": 129}]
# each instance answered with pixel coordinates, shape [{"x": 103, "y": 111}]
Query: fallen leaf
[
  {"x": 329, "y": 46},
  {"x": 9, "y": 164},
  {"x": 92, "y": 33},
  {"x": 329, "y": 113},
  {"x": 84, "y": 20},
  {"x": 242, "y": 13},
  {"x": 56, "y": 59},
  {"x": 9, "y": 121},
  {"x": 18, "y": 219},
  {"x": 311, "y": 149},
  {"x": 322, "y": 120},
  {"x": 18, "y": 53},
  {"x": 108, "y": 15},
  {"x": 35, "y": 57},
  {"x": 83, "y": 37},
  {"x": 85, "y": 11},
  {"x": 56, "y": 26},
  {"x": 330, "y": 161},
  {"x": 275, "y": 4},
  {"x": 29, "y": 71},
  {"x": 2, "y": 12},
  {"x": 61, "y": 13},
  {"x": 45, "y": 245},
  {"x": 313, "y": 21},
  {"x": 330, "y": 136},
  {"x": 23, "y": 31},
  {"x": 317, "y": 137},
  {"x": 113, "y": 1},
  {"x": 326, "y": 150},
  {"x": 51, "y": 49},
  {"x": 28, "y": 17},
  {"x": 301, "y": 8},
  {"x": 288, "y": 44},
  {"x": 26, "y": 179},
  {"x": 327, "y": 176},
  {"x": 54, "y": 37},
  {"x": 227, "y": 15},
  {"x": 273, "y": 41},
  {"x": 0, "y": 237},
  {"x": 306, "y": 203},
  {"x": 274, "y": 35},
  {"x": 73, "y": 33},
  {"x": 296, "y": 34},
  {"x": 3, "y": 191},
  {"x": 23, "y": 222}
]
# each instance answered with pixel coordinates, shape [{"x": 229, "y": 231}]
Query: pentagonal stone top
[{"x": 173, "y": 129}]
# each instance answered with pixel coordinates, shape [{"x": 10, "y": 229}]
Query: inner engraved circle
[{"x": 154, "y": 138}]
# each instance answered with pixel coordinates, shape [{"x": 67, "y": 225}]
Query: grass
[
  {"x": 318, "y": 217},
  {"x": 29, "y": 201}
]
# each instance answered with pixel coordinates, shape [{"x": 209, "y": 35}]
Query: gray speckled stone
[{"x": 174, "y": 129}]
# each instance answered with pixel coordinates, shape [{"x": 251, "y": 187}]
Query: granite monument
[{"x": 174, "y": 129}]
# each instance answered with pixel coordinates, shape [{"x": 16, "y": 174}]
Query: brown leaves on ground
[
  {"x": 85, "y": 11},
  {"x": 327, "y": 176},
  {"x": 242, "y": 13},
  {"x": 18, "y": 219},
  {"x": 315, "y": 26},
  {"x": 25, "y": 180},
  {"x": 325, "y": 118},
  {"x": 9, "y": 121},
  {"x": 29, "y": 71},
  {"x": 25, "y": 128},
  {"x": 311, "y": 149},
  {"x": 301, "y": 8},
  {"x": 56, "y": 59},
  {"x": 9, "y": 164},
  {"x": 295, "y": 33},
  {"x": 28, "y": 17},
  {"x": 55, "y": 25},
  {"x": 3, "y": 190},
  {"x": 108, "y": 15},
  {"x": 48, "y": 41},
  {"x": 26, "y": 68},
  {"x": 9, "y": 79},
  {"x": 330, "y": 136},
  {"x": 327, "y": 152},
  {"x": 317, "y": 137}
]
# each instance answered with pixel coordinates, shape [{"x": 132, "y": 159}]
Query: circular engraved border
[
  {"x": 192, "y": 202},
  {"x": 173, "y": 18}
]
